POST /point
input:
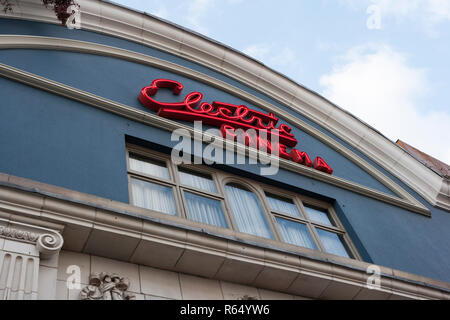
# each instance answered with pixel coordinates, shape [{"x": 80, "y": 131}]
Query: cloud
[
  {"x": 375, "y": 83},
  {"x": 258, "y": 51},
  {"x": 189, "y": 13},
  {"x": 196, "y": 10},
  {"x": 272, "y": 55},
  {"x": 439, "y": 10},
  {"x": 160, "y": 12}
]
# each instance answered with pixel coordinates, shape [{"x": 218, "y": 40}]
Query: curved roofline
[{"x": 110, "y": 18}]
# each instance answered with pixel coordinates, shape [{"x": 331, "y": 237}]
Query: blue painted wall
[
  {"x": 106, "y": 79},
  {"x": 65, "y": 143}
]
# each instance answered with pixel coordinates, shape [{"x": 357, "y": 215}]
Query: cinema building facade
[{"x": 93, "y": 204}]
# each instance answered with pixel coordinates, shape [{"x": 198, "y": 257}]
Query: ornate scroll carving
[
  {"x": 47, "y": 241},
  {"x": 49, "y": 244},
  {"x": 105, "y": 286},
  {"x": 18, "y": 234}
]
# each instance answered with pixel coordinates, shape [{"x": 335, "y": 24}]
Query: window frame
[
  {"x": 261, "y": 191},
  {"x": 246, "y": 184}
]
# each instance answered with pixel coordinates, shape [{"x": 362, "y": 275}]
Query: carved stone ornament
[
  {"x": 48, "y": 242},
  {"x": 105, "y": 286},
  {"x": 14, "y": 233}
]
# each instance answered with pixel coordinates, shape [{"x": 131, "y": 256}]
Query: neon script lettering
[{"x": 229, "y": 117}]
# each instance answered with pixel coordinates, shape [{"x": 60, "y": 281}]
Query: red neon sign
[{"x": 229, "y": 117}]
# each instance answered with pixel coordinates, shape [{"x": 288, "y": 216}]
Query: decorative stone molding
[
  {"x": 22, "y": 267},
  {"x": 25, "y": 259},
  {"x": 13, "y": 233},
  {"x": 48, "y": 242},
  {"x": 105, "y": 286},
  {"x": 443, "y": 198}
]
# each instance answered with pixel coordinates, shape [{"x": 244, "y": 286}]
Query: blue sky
[{"x": 385, "y": 61}]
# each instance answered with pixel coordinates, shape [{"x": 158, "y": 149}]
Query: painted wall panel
[{"x": 121, "y": 81}]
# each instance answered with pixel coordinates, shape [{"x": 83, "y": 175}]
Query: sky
[{"x": 385, "y": 61}]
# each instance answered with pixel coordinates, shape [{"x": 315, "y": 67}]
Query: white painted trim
[
  {"x": 107, "y": 18},
  {"x": 407, "y": 201}
]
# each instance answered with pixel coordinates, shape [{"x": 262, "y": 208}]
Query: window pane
[
  {"x": 152, "y": 168},
  {"x": 153, "y": 196},
  {"x": 295, "y": 233},
  {"x": 205, "y": 210},
  {"x": 247, "y": 211},
  {"x": 332, "y": 243},
  {"x": 282, "y": 205},
  {"x": 198, "y": 181},
  {"x": 318, "y": 216}
]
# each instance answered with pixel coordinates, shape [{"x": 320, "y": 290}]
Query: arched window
[
  {"x": 214, "y": 198},
  {"x": 247, "y": 211}
]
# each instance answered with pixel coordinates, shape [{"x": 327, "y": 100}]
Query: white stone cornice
[
  {"x": 120, "y": 22},
  {"x": 443, "y": 198},
  {"x": 158, "y": 242}
]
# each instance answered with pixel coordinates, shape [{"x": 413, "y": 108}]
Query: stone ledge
[{"x": 181, "y": 245}]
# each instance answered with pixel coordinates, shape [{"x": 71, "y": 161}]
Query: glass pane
[
  {"x": 295, "y": 233},
  {"x": 198, "y": 181},
  {"x": 247, "y": 211},
  {"x": 152, "y": 168},
  {"x": 205, "y": 210},
  {"x": 332, "y": 243},
  {"x": 319, "y": 216},
  {"x": 282, "y": 205},
  {"x": 153, "y": 196}
]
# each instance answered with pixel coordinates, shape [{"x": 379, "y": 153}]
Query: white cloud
[
  {"x": 375, "y": 83},
  {"x": 161, "y": 12},
  {"x": 439, "y": 10},
  {"x": 189, "y": 13},
  {"x": 154, "y": 7},
  {"x": 196, "y": 10},
  {"x": 258, "y": 51},
  {"x": 272, "y": 55}
]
